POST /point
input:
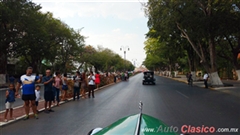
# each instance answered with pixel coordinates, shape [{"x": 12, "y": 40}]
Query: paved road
[{"x": 174, "y": 102}]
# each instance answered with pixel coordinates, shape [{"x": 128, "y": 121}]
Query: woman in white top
[{"x": 91, "y": 84}]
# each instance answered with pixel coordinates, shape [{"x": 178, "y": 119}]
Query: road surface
[{"x": 175, "y": 103}]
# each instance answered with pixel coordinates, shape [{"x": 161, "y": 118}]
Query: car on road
[{"x": 148, "y": 78}]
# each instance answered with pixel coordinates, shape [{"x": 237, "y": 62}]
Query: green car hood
[{"x": 128, "y": 125}]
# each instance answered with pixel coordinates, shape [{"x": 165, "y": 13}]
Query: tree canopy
[
  {"x": 208, "y": 27},
  {"x": 39, "y": 40}
]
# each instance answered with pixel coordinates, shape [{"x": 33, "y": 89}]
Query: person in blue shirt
[
  {"x": 28, "y": 91},
  {"x": 48, "y": 91},
  {"x": 10, "y": 99}
]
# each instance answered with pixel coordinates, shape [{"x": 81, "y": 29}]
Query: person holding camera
[
  {"x": 77, "y": 85},
  {"x": 48, "y": 90}
]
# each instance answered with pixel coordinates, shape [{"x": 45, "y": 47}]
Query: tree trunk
[
  {"x": 194, "y": 75},
  {"x": 175, "y": 73},
  {"x": 80, "y": 66},
  {"x": 3, "y": 68},
  {"x": 238, "y": 74},
  {"x": 3, "y": 61},
  {"x": 215, "y": 79}
]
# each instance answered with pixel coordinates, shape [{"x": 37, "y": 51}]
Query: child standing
[
  {"x": 37, "y": 93},
  {"x": 10, "y": 99}
]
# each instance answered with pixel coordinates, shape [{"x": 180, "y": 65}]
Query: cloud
[
  {"x": 118, "y": 23},
  {"x": 115, "y": 41},
  {"x": 119, "y": 10},
  {"x": 116, "y": 30}
]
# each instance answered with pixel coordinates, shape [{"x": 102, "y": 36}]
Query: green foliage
[
  {"x": 34, "y": 36},
  {"x": 209, "y": 28},
  {"x": 104, "y": 59}
]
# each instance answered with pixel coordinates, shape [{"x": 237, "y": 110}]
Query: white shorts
[{"x": 9, "y": 105}]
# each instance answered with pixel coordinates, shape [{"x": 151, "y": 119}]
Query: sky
[{"x": 111, "y": 24}]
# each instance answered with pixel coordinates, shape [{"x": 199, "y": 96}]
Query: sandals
[{"x": 6, "y": 120}]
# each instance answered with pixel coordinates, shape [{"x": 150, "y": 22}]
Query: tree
[
  {"x": 11, "y": 28},
  {"x": 36, "y": 37},
  {"x": 198, "y": 22},
  {"x": 163, "y": 54}
]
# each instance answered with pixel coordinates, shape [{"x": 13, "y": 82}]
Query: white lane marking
[{"x": 182, "y": 94}]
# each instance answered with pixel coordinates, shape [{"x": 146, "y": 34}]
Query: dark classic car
[{"x": 148, "y": 78}]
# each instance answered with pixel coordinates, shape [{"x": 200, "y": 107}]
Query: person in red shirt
[{"x": 97, "y": 79}]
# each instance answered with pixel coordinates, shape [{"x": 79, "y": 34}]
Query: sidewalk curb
[
  {"x": 226, "y": 91},
  {"x": 186, "y": 82},
  {"x": 2, "y": 124}
]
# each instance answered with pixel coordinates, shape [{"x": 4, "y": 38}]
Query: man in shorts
[
  {"x": 48, "y": 91},
  {"x": 28, "y": 91}
]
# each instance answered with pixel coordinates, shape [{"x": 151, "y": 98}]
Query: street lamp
[
  {"x": 134, "y": 60},
  {"x": 124, "y": 49}
]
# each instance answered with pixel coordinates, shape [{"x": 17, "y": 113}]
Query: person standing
[
  {"x": 205, "y": 79},
  {"x": 10, "y": 99},
  {"x": 77, "y": 85},
  {"x": 125, "y": 75},
  {"x": 48, "y": 91},
  {"x": 84, "y": 85},
  {"x": 91, "y": 84},
  {"x": 57, "y": 82},
  {"x": 37, "y": 93},
  {"x": 114, "y": 78},
  {"x": 189, "y": 78},
  {"x": 97, "y": 79},
  {"x": 108, "y": 77},
  {"x": 64, "y": 87},
  {"x": 28, "y": 91}
]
